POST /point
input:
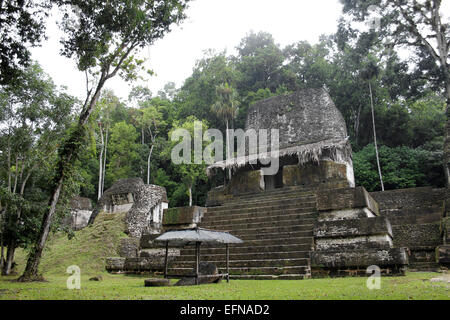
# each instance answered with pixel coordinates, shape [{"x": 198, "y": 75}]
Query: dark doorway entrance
[{"x": 274, "y": 182}]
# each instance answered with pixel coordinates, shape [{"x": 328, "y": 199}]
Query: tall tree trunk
[
  {"x": 100, "y": 161},
  {"x": 148, "y": 163},
  {"x": 190, "y": 196},
  {"x": 357, "y": 123},
  {"x": 2, "y": 252},
  {"x": 447, "y": 151},
  {"x": 2, "y": 249},
  {"x": 9, "y": 258},
  {"x": 375, "y": 138},
  {"x": 69, "y": 152},
  {"x": 228, "y": 156},
  {"x": 104, "y": 159}
]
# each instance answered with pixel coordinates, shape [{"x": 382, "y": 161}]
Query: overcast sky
[{"x": 215, "y": 24}]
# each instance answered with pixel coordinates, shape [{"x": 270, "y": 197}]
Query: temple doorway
[{"x": 275, "y": 181}]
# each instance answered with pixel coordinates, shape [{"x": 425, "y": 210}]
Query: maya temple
[{"x": 307, "y": 220}]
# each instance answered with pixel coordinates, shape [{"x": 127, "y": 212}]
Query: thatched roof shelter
[{"x": 197, "y": 236}]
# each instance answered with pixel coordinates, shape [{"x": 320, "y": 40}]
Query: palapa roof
[
  {"x": 308, "y": 122},
  {"x": 191, "y": 236}
]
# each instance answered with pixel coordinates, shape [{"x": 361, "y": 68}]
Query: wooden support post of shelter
[{"x": 228, "y": 263}]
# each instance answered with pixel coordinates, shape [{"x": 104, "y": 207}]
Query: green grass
[
  {"x": 414, "y": 286},
  {"x": 88, "y": 249},
  {"x": 92, "y": 245}
]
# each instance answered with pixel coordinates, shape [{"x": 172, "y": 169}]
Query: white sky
[{"x": 215, "y": 24}]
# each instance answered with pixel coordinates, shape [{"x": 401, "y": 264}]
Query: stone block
[
  {"x": 115, "y": 264},
  {"x": 357, "y": 213},
  {"x": 157, "y": 282},
  {"x": 348, "y": 198},
  {"x": 359, "y": 258},
  {"x": 147, "y": 241},
  {"x": 217, "y": 197},
  {"x": 144, "y": 264},
  {"x": 352, "y": 228},
  {"x": 443, "y": 255},
  {"x": 354, "y": 243},
  {"x": 409, "y": 198},
  {"x": 205, "y": 269},
  {"x": 129, "y": 247},
  {"x": 311, "y": 174},
  {"x": 245, "y": 182},
  {"x": 445, "y": 229},
  {"x": 417, "y": 235},
  {"x": 182, "y": 218}
]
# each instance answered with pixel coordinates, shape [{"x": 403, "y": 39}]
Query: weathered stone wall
[
  {"x": 182, "y": 218},
  {"x": 346, "y": 198},
  {"x": 416, "y": 218},
  {"x": 143, "y": 204},
  {"x": 81, "y": 209},
  {"x": 349, "y": 235},
  {"x": 129, "y": 248},
  {"x": 245, "y": 182},
  {"x": 312, "y": 174},
  {"x": 302, "y": 117},
  {"x": 146, "y": 214}
]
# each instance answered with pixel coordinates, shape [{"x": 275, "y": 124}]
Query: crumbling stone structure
[
  {"x": 416, "y": 216},
  {"x": 143, "y": 204},
  {"x": 81, "y": 210}
]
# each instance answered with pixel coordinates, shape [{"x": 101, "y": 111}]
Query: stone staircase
[{"x": 277, "y": 230}]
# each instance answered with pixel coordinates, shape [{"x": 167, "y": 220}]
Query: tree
[
  {"x": 103, "y": 40},
  {"x": 191, "y": 173},
  {"x": 33, "y": 123},
  {"x": 102, "y": 117},
  {"x": 21, "y": 25},
  {"x": 226, "y": 108},
  {"x": 419, "y": 26},
  {"x": 260, "y": 63},
  {"x": 198, "y": 93},
  {"x": 123, "y": 151}
]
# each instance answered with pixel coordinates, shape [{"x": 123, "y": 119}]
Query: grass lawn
[
  {"x": 414, "y": 286},
  {"x": 90, "y": 247}
]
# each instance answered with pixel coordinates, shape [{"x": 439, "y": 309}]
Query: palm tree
[{"x": 226, "y": 108}]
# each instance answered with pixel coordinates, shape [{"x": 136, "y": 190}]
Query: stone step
[
  {"x": 247, "y": 263},
  {"x": 269, "y": 228},
  {"x": 287, "y": 197},
  {"x": 283, "y": 239},
  {"x": 424, "y": 266},
  {"x": 250, "y": 272},
  {"x": 271, "y": 232},
  {"x": 255, "y": 218},
  {"x": 252, "y": 225},
  {"x": 234, "y": 249},
  {"x": 247, "y": 256},
  {"x": 262, "y": 206},
  {"x": 305, "y": 214},
  {"x": 281, "y": 191},
  {"x": 271, "y": 277},
  {"x": 250, "y": 213}
]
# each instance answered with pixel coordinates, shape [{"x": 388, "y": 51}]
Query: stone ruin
[
  {"x": 309, "y": 219},
  {"x": 143, "y": 204},
  {"x": 81, "y": 210}
]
